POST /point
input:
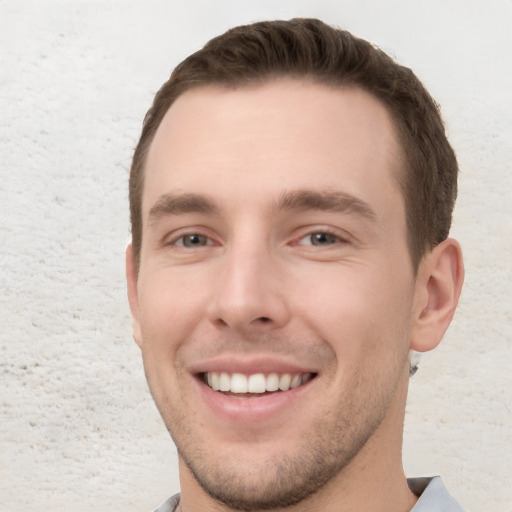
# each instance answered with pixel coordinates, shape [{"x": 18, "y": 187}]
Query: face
[{"x": 274, "y": 298}]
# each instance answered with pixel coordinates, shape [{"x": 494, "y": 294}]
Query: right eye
[
  {"x": 320, "y": 239},
  {"x": 193, "y": 240}
]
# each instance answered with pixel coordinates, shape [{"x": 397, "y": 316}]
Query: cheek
[
  {"x": 170, "y": 306},
  {"x": 170, "y": 303},
  {"x": 363, "y": 315}
]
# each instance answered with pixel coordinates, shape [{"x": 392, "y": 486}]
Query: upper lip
[{"x": 251, "y": 365}]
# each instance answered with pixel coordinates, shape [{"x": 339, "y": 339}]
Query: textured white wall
[{"x": 78, "y": 428}]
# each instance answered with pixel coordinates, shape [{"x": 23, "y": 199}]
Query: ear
[
  {"x": 133, "y": 293},
  {"x": 438, "y": 286}
]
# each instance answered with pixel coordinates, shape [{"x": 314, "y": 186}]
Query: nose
[{"x": 250, "y": 292}]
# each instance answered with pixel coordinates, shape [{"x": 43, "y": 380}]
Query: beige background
[{"x": 78, "y": 429}]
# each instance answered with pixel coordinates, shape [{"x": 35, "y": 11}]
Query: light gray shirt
[{"x": 433, "y": 497}]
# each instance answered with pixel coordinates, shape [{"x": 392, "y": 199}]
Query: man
[{"x": 291, "y": 198}]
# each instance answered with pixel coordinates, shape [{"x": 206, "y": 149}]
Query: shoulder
[
  {"x": 433, "y": 495},
  {"x": 169, "y": 505}
]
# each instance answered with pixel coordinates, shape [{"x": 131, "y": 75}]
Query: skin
[{"x": 256, "y": 291}]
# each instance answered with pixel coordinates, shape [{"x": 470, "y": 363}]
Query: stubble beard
[
  {"x": 276, "y": 484},
  {"x": 323, "y": 452}
]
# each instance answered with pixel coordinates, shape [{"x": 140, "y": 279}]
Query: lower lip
[{"x": 252, "y": 409}]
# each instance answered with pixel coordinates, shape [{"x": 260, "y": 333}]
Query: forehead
[{"x": 285, "y": 134}]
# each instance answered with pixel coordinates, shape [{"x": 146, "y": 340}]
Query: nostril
[{"x": 264, "y": 319}]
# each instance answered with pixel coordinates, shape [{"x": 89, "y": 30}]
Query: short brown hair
[{"x": 308, "y": 48}]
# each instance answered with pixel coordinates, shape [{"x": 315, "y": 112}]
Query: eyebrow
[
  {"x": 177, "y": 204},
  {"x": 297, "y": 200},
  {"x": 303, "y": 200}
]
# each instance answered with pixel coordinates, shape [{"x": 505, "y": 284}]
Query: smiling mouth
[{"x": 254, "y": 385}]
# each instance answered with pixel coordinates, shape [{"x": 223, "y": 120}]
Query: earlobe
[
  {"x": 438, "y": 286},
  {"x": 133, "y": 295}
]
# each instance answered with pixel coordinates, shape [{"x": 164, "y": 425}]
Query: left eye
[
  {"x": 320, "y": 239},
  {"x": 193, "y": 240}
]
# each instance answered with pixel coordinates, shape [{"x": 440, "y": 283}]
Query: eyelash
[
  {"x": 340, "y": 237},
  {"x": 178, "y": 239},
  {"x": 336, "y": 238},
  {"x": 190, "y": 235}
]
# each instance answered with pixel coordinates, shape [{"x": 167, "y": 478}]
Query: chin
[{"x": 280, "y": 480}]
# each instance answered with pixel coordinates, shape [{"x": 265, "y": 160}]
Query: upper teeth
[{"x": 255, "y": 383}]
